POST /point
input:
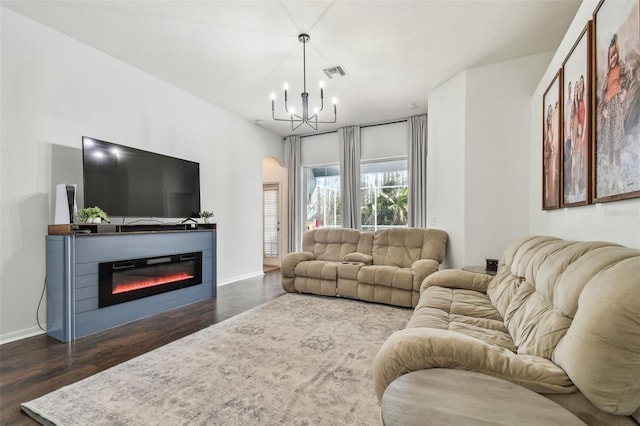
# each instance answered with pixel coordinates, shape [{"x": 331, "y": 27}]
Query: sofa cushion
[
  {"x": 464, "y": 311},
  {"x": 402, "y": 247},
  {"x": 358, "y": 257},
  {"x": 331, "y": 244},
  {"x": 317, "y": 286},
  {"x": 323, "y": 269},
  {"x": 365, "y": 243},
  {"x": 385, "y": 294},
  {"x": 389, "y": 276},
  {"x": 534, "y": 324}
]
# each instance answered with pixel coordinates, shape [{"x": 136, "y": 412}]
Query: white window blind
[{"x": 270, "y": 224}]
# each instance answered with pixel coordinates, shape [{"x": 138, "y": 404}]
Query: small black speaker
[{"x": 492, "y": 265}]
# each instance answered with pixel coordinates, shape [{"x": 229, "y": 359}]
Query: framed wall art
[
  {"x": 616, "y": 151},
  {"x": 576, "y": 123},
  {"x": 551, "y": 144}
]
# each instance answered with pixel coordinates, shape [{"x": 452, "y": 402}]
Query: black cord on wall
[{"x": 44, "y": 287}]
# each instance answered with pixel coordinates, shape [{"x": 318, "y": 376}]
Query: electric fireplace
[{"x": 131, "y": 279}]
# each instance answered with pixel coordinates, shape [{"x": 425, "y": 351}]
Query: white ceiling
[{"x": 236, "y": 53}]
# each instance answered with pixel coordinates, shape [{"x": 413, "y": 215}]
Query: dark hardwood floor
[{"x": 32, "y": 367}]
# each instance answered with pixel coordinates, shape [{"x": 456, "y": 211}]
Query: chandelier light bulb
[
  {"x": 334, "y": 101},
  {"x": 316, "y": 110},
  {"x": 286, "y": 86},
  {"x": 273, "y": 96},
  {"x": 292, "y": 110},
  {"x": 321, "y": 84}
]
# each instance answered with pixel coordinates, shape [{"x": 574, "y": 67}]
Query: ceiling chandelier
[{"x": 295, "y": 119}]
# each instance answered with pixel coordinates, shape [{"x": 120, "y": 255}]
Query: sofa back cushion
[
  {"x": 576, "y": 303},
  {"x": 365, "y": 243},
  {"x": 601, "y": 350},
  {"x": 402, "y": 247},
  {"x": 330, "y": 244}
]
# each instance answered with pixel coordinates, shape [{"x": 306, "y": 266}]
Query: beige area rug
[{"x": 296, "y": 360}]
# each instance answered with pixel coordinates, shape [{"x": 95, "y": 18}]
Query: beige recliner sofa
[
  {"x": 386, "y": 266},
  {"x": 560, "y": 317}
]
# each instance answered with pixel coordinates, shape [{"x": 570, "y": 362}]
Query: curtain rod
[{"x": 381, "y": 123}]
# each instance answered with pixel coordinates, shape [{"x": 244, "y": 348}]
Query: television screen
[{"x": 130, "y": 182}]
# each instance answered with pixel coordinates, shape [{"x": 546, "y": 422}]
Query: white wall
[
  {"x": 478, "y": 177},
  {"x": 497, "y": 170},
  {"x": 617, "y": 221},
  {"x": 446, "y": 196},
  {"x": 54, "y": 91}
]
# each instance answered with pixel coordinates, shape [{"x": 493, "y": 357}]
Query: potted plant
[
  {"x": 206, "y": 215},
  {"x": 92, "y": 215}
]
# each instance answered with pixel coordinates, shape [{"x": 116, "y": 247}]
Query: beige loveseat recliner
[
  {"x": 560, "y": 317},
  {"x": 386, "y": 266}
]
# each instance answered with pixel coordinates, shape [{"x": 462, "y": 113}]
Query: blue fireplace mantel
[{"x": 72, "y": 278}]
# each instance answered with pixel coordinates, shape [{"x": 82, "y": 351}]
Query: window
[
  {"x": 323, "y": 202},
  {"x": 270, "y": 220},
  {"x": 384, "y": 194}
]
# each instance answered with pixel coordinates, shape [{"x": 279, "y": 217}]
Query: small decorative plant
[
  {"x": 206, "y": 215},
  {"x": 92, "y": 215}
]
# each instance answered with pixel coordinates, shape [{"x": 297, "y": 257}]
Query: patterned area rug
[{"x": 296, "y": 360}]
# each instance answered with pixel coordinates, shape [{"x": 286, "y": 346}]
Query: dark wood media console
[
  {"x": 72, "y": 272},
  {"x": 107, "y": 228}
]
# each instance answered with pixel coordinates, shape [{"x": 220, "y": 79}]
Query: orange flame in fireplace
[{"x": 137, "y": 285}]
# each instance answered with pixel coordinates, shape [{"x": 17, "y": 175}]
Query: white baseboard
[
  {"x": 240, "y": 277},
  {"x": 20, "y": 334}
]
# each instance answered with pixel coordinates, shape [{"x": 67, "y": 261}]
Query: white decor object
[{"x": 66, "y": 207}]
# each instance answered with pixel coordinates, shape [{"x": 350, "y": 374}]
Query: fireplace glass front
[{"x": 131, "y": 279}]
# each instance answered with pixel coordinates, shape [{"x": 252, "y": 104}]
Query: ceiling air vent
[{"x": 335, "y": 72}]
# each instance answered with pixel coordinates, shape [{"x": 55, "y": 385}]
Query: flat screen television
[{"x": 130, "y": 182}]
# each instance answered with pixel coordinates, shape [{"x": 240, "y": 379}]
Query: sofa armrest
[
  {"x": 456, "y": 278},
  {"x": 288, "y": 268},
  {"x": 419, "y": 348},
  {"x": 421, "y": 269},
  {"x": 367, "y": 259},
  {"x": 290, "y": 261}
]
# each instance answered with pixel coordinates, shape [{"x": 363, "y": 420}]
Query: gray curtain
[
  {"x": 417, "y": 170},
  {"x": 292, "y": 162},
  {"x": 349, "y": 153}
]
